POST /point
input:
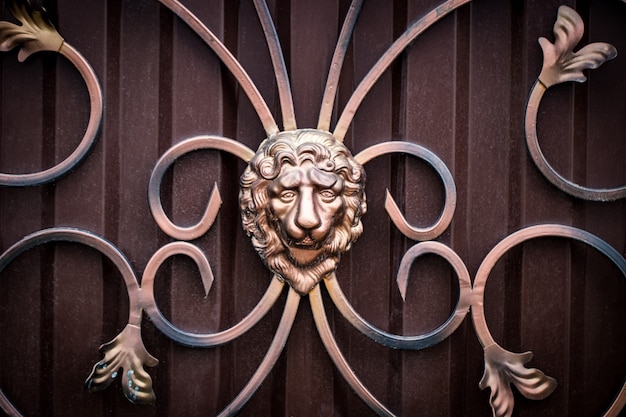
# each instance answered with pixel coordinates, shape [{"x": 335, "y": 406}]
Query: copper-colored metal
[
  {"x": 215, "y": 201},
  {"x": 273, "y": 352},
  {"x": 301, "y": 200},
  {"x": 36, "y": 34},
  {"x": 242, "y": 77},
  {"x": 125, "y": 355},
  {"x": 302, "y": 197},
  {"x": 502, "y": 367},
  {"x": 387, "y": 59},
  {"x": 410, "y": 342},
  {"x": 126, "y": 351},
  {"x": 278, "y": 61},
  {"x": 330, "y": 91},
  {"x": 440, "y": 167},
  {"x": 321, "y": 322},
  {"x": 148, "y": 301},
  {"x": 561, "y": 64}
]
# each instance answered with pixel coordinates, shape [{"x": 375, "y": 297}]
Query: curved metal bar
[
  {"x": 321, "y": 322},
  {"x": 198, "y": 339},
  {"x": 7, "y": 406},
  {"x": 532, "y": 232},
  {"x": 330, "y": 91},
  {"x": 619, "y": 402},
  {"x": 503, "y": 368},
  {"x": 565, "y": 185},
  {"x": 278, "y": 62},
  {"x": 440, "y": 167},
  {"x": 274, "y": 351},
  {"x": 387, "y": 58},
  {"x": 561, "y": 64},
  {"x": 127, "y": 349},
  {"x": 89, "y": 138},
  {"x": 66, "y": 234},
  {"x": 215, "y": 201},
  {"x": 235, "y": 68},
  {"x": 410, "y": 342}
]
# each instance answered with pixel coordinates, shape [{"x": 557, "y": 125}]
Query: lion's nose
[{"x": 307, "y": 217}]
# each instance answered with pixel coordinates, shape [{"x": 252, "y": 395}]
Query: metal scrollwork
[
  {"x": 502, "y": 367},
  {"x": 302, "y": 198},
  {"x": 36, "y": 34},
  {"x": 561, "y": 64}
]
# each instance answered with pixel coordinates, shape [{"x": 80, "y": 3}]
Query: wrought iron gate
[{"x": 415, "y": 151}]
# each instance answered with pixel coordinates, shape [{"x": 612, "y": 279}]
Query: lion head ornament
[{"x": 302, "y": 197}]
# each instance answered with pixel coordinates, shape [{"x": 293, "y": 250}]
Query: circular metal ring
[
  {"x": 89, "y": 138},
  {"x": 565, "y": 185},
  {"x": 532, "y": 232}
]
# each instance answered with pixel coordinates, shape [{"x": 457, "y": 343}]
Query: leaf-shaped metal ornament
[
  {"x": 503, "y": 368},
  {"x": 560, "y": 62},
  {"x": 128, "y": 355},
  {"x": 35, "y": 33}
]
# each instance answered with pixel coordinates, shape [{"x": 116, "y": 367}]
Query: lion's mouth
[{"x": 306, "y": 243}]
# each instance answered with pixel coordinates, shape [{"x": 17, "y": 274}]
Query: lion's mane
[{"x": 295, "y": 147}]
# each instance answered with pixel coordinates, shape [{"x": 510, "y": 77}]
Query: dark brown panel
[{"x": 460, "y": 90}]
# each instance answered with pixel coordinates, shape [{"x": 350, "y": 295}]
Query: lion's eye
[
  {"x": 327, "y": 195},
  {"x": 287, "y": 196}
]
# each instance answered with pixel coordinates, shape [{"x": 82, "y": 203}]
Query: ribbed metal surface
[{"x": 459, "y": 90}]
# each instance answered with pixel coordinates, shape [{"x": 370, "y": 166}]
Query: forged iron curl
[
  {"x": 561, "y": 64},
  {"x": 442, "y": 170},
  {"x": 126, "y": 351},
  {"x": 167, "y": 159},
  {"x": 503, "y": 367},
  {"x": 37, "y": 34},
  {"x": 410, "y": 342}
]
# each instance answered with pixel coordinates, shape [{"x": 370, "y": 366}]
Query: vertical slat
[
  {"x": 486, "y": 186},
  {"x": 195, "y": 92},
  {"x": 603, "y": 337},
  {"x": 546, "y": 263},
  {"x": 308, "y": 62},
  {"x": 465, "y": 354},
  {"x": 429, "y": 122},
  {"x": 138, "y": 149},
  {"x": 20, "y": 211},
  {"x": 114, "y": 304},
  {"x": 371, "y": 285},
  {"x": 78, "y": 201},
  {"x": 246, "y": 278},
  {"x": 460, "y": 90},
  {"x": 488, "y": 147}
]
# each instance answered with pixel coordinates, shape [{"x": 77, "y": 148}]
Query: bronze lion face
[{"x": 301, "y": 199}]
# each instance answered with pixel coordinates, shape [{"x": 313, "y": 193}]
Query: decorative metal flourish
[
  {"x": 561, "y": 64},
  {"x": 502, "y": 367},
  {"x": 36, "y": 34},
  {"x": 126, "y": 351},
  {"x": 301, "y": 199}
]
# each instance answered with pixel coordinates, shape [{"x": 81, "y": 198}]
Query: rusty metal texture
[{"x": 302, "y": 202}]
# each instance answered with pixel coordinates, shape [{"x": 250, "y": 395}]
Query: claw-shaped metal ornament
[
  {"x": 503, "y": 368},
  {"x": 126, "y": 353},
  {"x": 560, "y": 62},
  {"x": 35, "y": 33}
]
